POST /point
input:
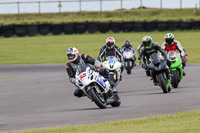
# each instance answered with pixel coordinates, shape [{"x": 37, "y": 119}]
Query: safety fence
[{"x": 93, "y": 27}]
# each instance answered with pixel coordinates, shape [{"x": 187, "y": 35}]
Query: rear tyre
[
  {"x": 163, "y": 82},
  {"x": 97, "y": 98},
  {"x": 116, "y": 102},
  {"x": 175, "y": 78}
]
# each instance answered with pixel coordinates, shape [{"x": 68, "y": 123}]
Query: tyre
[
  {"x": 69, "y": 28},
  {"x": 163, "y": 82},
  {"x": 175, "y": 79},
  {"x": 32, "y": 30},
  {"x": 44, "y": 29},
  {"x": 116, "y": 102},
  {"x": 20, "y": 30},
  {"x": 104, "y": 27},
  {"x": 111, "y": 77},
  {"x": 97, "y": 98},
  {"x": 92, "y": 27},
  {"x": 7, "y": 30},
  {"x": 128, "y": 67}
]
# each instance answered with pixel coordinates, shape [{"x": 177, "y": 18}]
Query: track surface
[{"x": 43, "y": 97}]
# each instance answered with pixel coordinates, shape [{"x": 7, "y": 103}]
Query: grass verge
[
  {"x": 52, "y": 49},
  {"x": 124, "y": 15},
  {"x": 186, "y": 122}
]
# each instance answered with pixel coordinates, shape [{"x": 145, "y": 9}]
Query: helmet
[
  {"x": 127, "y": 43},
  {"x": 169, "y": 39},
  {"x": 147, "y": 41},
  {"x": 72, "y": 54},
  {"x": 110, "y": 42}
]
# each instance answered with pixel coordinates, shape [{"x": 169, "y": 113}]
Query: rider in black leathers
[
  {"x": 75, "y": 60},
  {"x": 148, "y": 49}
]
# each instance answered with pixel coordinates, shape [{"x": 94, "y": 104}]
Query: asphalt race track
[{"x": 41, "y": 96}]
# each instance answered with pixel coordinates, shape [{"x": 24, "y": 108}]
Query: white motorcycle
[
  {"x": 114, "y": 66},
  {"x": 129, "y": 59},
  {"x": 96, "y": 87}
]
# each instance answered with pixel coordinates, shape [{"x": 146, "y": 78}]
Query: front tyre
[
  {"x": 128, "y": 67},
  {"x": 175, "y": 79},
  {"x": 163, "y": 82},
  {"x": 117, "y": 101},
  {"x": 97, "y": 98}
]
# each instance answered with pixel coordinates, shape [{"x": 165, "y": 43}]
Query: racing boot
[
  {"x": 78, "y": 92},
  {"x": 184, "y": 74},
  {"x": 113, "y": 86}
]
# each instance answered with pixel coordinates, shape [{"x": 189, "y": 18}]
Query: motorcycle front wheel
[
  {"x": 163, "y": 83},
  {"x": 97, "y": 98},
  {"x": 175, "y": 78}
]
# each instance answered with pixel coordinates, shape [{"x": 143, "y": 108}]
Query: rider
[
  {"x": 171, "y": 44},
  {"x": 147, "y": 50},
  {"x": 74, "y": 61},
  {"x": 127, "y": 45},
  {"x": 110, "y": 49}
]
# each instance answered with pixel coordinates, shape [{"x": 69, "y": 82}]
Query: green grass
[
  {"x": 52, "y": 49},
  {"x": 124, "y": 15},
  {"x": 6, "y": 77},
  {"x": 186, "y": 122}
]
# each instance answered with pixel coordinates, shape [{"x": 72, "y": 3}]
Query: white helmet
[
  {"x": 110, "y": 42},
  {"x": 72, "y": 54}
]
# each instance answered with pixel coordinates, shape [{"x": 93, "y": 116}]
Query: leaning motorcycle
[
  {"x": 176, "y": 68},
  {"x": 96, "y": 87},
  {"x": 114, "y": 66},
  {"x": 129, "y": 59},
  {"x": 160, "y": 72}
]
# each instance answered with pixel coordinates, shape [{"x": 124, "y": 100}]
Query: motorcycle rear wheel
[{"x": 101, "y": 103}]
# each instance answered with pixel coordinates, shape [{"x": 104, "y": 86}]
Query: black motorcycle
[{"x": 160, "y": 72}]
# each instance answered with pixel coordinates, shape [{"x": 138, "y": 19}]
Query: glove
[{"x": 72, "y": 80}]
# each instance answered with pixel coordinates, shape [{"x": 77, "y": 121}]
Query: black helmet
[{"x": 127, "y": 43}]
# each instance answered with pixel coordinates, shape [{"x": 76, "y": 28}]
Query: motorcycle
[
  {"x": 114, "y": 66},
  {"x": 176, "y": 67},
  {"x": 129, "y": 59},
  {"x": 96, "y": 87},
  {"x": 159, "y": 72}
]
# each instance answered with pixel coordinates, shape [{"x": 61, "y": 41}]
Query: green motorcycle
[{"x": 176, "y": 67}]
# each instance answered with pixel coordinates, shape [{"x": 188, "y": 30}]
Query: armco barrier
[
  {"x": 104, "y": 27},
  {"x": 92, "y": 27},
  {"x": 20, "y": 30},
  {"x": 68, "y": 28},
  {"x": 127, "y": 26},
  {"x": 56, "y": 29},
  {"x": 32, "y": 29},
  {"x": 80, "y": 27},
  {"x": 8, "y": 30},
  {"x": 162, "y": 25},
  {"x": 116, "y": 27},
  {"x": 44, "y": 29}
]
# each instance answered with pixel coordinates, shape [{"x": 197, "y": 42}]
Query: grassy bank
[
  {"x": 124, "y": 15},
  {"x": 187, "y": 122},
  {"x": 52, "y": 49}
]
